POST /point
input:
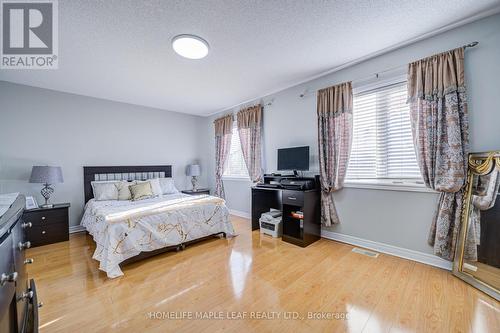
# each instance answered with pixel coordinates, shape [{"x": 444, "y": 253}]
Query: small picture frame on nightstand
[{"x": 31, "y": 202}]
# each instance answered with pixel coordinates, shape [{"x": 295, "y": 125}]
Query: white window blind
[
  {"x": 235, "y": 164},
  {"x": 382, "y": 146}
]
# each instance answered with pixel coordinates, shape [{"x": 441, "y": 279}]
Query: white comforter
[{"x": 123, "y": 229}]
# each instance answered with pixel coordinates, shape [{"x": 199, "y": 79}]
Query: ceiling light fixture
[{"x": 190, "y": 46}]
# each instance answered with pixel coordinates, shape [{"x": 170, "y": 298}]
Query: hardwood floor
[{"x": 250, "y": 276}]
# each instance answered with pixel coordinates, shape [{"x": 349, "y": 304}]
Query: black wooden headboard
[{"x": 91, "y": 173}]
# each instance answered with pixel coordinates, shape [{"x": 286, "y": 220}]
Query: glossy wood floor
[{"x": 248, "y": 273}]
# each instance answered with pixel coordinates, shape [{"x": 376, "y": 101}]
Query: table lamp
[
  {"x": 193, "y": 170},
  {"x": 46, "y": 175}
]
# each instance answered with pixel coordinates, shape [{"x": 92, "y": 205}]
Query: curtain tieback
[
  {"x": 327, "y": 190},
  {"x": 331, "y": 190}
]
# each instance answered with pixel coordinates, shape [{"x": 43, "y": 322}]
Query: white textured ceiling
[{"x": 120, "y": 49}]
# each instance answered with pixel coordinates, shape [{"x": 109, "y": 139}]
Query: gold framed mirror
[{"x": 477, "y": 257}]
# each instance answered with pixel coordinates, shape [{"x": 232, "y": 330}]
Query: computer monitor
[{"x": 296, "y": 158}]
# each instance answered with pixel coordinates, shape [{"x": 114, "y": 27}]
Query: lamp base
[
  {"x": 46, "y": 192},
  {"x": 194, "y": 182}
]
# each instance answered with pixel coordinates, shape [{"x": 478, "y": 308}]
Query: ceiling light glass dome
[{"x": 190, "y": 46}]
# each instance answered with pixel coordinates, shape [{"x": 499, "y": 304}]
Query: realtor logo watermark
[{"x": 29, "y": 34}]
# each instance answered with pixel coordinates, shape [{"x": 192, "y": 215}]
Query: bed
[{"x": 125, "y": 231}]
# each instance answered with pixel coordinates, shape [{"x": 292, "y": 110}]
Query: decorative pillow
[
  {"x": 167, "y": 186},
  {"x": 124, "y": 191},
  {"x": 141, "y": 191},
  {"x": 105, "y": 190},
  {"x": 155, "y": 186}
]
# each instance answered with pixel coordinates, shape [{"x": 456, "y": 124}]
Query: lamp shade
[
  {"x": 46, "y": 175},
  {"x": 193, "y": 170}
]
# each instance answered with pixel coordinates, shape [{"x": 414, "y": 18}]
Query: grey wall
[
  {"x": 39, "y": 126},
  {"x": 392, "y": 217}
]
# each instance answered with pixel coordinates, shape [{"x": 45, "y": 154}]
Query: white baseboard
[
  {"x": 76, "y": 228},
  {"x": 240, "y": 213},
  {"x": 421, "y": 257}
]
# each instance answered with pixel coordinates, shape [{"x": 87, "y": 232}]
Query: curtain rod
[
  {"x": 376, "y": 75},
  {"x": 254, "y": 104},
  {"x": 264, "y": 105}
]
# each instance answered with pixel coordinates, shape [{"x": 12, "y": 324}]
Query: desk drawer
[
  {"x": 42, "y": 218},
  {"x": 295, "y": 198},
  {"x": 47, "y": 234}
]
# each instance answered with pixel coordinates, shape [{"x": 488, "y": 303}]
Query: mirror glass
[{"x": 481, "y": 256}]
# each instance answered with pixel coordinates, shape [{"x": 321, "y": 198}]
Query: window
[
  {"x": 382, "y": 149},
  {"x": 235, "y": 164}
]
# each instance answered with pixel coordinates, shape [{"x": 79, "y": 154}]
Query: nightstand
[
  {"x": 200, "y": 191},
  {"x": 48, "y": 225}
]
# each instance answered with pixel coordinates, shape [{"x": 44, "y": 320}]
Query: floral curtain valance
[
  {"x": 436, "y": 76},
  {"x": 335, "y": 100},
  {"x": 334, "y": 109},
  {"x": 250, "y": 132},
  {"x": 224, "y": 125},
  {"x": 250, "y": 117}
]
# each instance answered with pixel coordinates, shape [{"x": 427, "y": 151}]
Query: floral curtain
[
  {"x": 223, "y": 131},
  {"x": 249, "y": 129},
  {"x": 440, "y": 126},
  {"x": 334, "y": 108}
]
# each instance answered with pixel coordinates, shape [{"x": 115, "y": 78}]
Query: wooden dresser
[
  {"x": 18, "y": 296},
  {"x": 49, "y": 225}
]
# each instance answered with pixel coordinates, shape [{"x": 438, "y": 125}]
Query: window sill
[
  {"x": 404, "y": 186},
  {"x": 236, "y": 178}
]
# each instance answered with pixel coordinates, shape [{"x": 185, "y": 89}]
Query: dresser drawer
[
  {"x": 295, "y": 198},
  {"x": 47, "y": 217},
  {"x": 47, "y": 234},
  {"x": 8, "y": 289}
]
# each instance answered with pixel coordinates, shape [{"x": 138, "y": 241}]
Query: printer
[{"x": 270, "y": 223}]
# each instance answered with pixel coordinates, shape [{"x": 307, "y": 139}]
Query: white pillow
[
  {"x": 105, "y": 190},
  {"x": 155, "y": 186},
  {"x": 124, "y": 191},
  {"x": 167, "y": 186}
]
